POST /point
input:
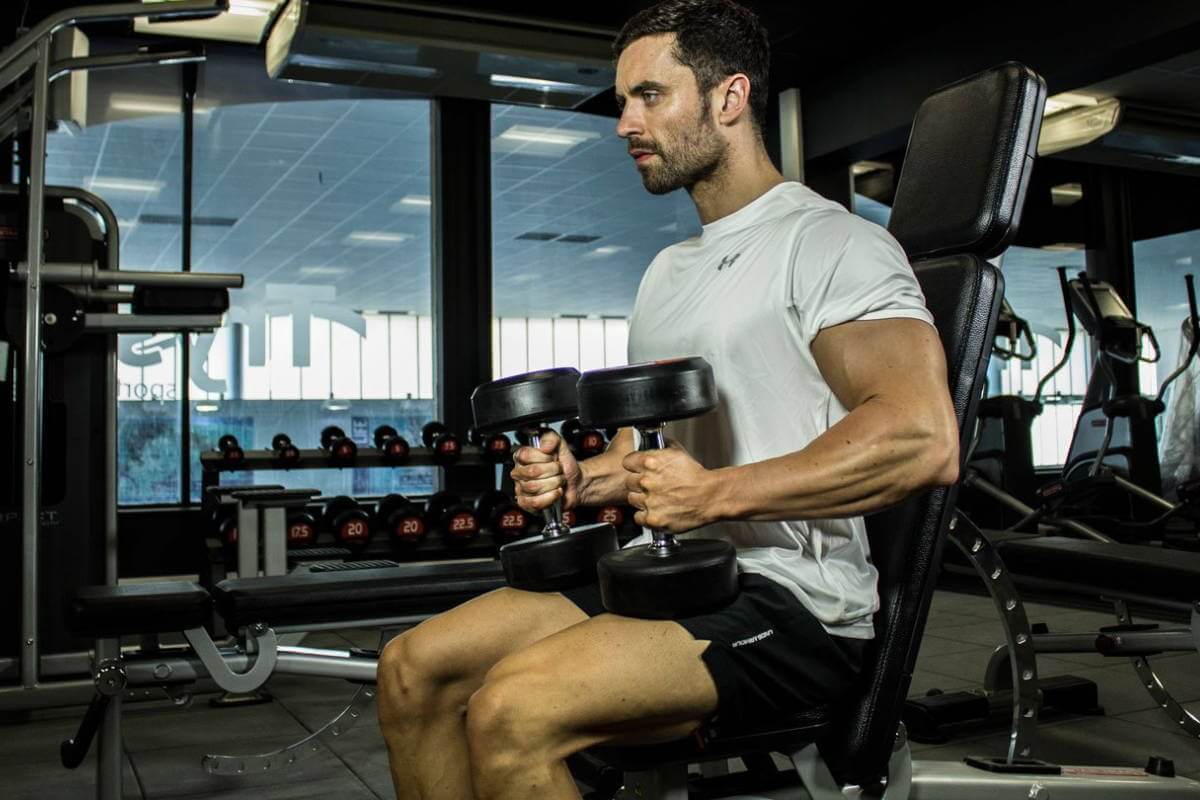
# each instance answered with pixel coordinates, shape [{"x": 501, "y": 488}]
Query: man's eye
[{"x": 649, "y": 97}]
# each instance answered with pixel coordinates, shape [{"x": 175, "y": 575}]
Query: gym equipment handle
[
  {"x": 664, "y": 541},
  {"x": 552, "y": 513}
]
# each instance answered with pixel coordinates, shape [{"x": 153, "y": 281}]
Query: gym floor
[{"x": 164, "y": 745}]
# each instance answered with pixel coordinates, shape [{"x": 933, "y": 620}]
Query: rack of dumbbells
[{"x": 292, "y": 527}]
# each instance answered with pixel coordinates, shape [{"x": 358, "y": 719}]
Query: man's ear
[{"x": 735, "y": 99}]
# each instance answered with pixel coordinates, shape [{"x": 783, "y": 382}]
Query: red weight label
[
  {"x": 301, "y": 533},
  {"x": 344, "y": 450},
  {"x": 231, "y": 536},
  {"x": 410, "y": 528},
  {"x": 448, "y": 446},
  {"x": 611, "y": 514},
  {"x": 592, "y": 441},
  {"x": 500, "y": 445},
  {"x": 568, "y": 518},
  {"x": 353, "y": 531},
  {"x": 397, "y": 449},
  {"x": 464, "y": 524},
  {"x": 512, "y": 521}
]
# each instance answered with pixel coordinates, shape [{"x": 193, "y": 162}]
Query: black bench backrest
[{"x": 958, "y": 202}]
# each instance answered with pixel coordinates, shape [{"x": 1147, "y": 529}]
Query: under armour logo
[{"x": 727, "y": 261}]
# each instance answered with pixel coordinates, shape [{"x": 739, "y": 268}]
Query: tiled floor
[{"x": 164, "y": 745}]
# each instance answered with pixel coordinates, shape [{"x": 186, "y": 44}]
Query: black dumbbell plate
[{"x": 647, "y": 394}]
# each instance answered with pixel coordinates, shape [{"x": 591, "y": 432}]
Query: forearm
[
  {"x": 864, "y": 463},
  {"x": 602, "y": 477}
]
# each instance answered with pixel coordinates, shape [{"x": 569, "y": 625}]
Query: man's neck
[{"x": 739, "y": 182}]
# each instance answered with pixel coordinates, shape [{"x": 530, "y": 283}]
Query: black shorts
[{"x": 769, "y": 658}]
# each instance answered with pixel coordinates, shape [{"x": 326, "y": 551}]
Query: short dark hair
[{"x": 715, "y": 39}]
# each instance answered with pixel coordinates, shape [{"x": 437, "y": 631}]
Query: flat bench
[
  {"x": 1104, "y": 568},
  {"x": 297, "y": 599}
]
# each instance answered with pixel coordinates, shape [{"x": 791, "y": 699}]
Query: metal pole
[
  {"x": 188, "y": 103},
  {"x": 32, "y": 377}
]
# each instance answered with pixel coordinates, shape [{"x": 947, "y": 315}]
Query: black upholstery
[
  {"x": 963, "y": 293},
  {"x": 160, "y": 607},
  {"x": 1104, "y": 568},
  {"x": 310, "y": 598},
  {"x": 968, "y": 164}
]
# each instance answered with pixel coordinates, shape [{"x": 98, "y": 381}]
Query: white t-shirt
[{"x": 749, "y": 294}]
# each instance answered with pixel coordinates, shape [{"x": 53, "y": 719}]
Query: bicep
[{"x": 897, "y": 359}]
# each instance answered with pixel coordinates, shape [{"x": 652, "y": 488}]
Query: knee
[
  {"x": 498, "y": 725},
  {"x": 405, "y": 677}
]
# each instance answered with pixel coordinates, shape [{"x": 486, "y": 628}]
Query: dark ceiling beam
[{"x": 863, "y": 107}]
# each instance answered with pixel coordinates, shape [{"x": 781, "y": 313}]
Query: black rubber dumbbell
[
  {"x": 561, "y": 557},
  {"x": 501, "y": 515},
  {"x": 348, "y": 521},
  {"x": 402, "y": 519},
  {"x": 231, "y": 451},
  {"x": 453, "y": 519},
  {"x": 394, "y": 446},
  {"x": 495, "y": 448},
  {"x": 446, "y": 446},
  {"x": 584, "y": 442},
  {"x": 225, "y": 524},
  {"x": 285, "y": 451},
  {"x": 342, "y": 450},
  {"x": 301, "y": 528},
  {"x": 666, "y": 579}
]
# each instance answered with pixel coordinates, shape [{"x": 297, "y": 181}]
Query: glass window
[
  {"x": 133, "y": 160},
  {"x": 1160, "y": 265},
  {"x": 573, "y": 230},
  {"x": 323, "y": 204}
]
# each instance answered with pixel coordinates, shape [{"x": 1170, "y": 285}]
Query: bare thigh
[{"x": 459, "y": 646}]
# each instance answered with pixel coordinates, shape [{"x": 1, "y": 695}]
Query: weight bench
[{"x": 261, "y": 608}]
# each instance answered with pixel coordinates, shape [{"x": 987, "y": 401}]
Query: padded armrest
[
  {"x": 159, "y": 607},
  {"x": 305, "y": 598}
]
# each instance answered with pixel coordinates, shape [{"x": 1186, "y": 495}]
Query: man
[{"x": 833, "y": 404}]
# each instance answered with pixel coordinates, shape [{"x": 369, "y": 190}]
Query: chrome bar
[
  {"x": 86, "y": 274},
  {"x": 1138, "y": 491},
  {"x": 151, "y": 323},
  {"x": 975, "y": 481},
  {"x": 32, "y": 377},
  {"x": 120, "y": 60},
  {"x": 1143, "y": 643},
  {"x": 16, "y": 58}
]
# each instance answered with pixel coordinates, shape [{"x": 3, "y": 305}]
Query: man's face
[{"x": 668, "y": 124}]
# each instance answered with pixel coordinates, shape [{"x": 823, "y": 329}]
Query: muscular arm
[
  {"x": 602, "y": 478},
  {"x": 899, "y": 437}
]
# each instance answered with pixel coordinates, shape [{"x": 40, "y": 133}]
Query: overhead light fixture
[
  {"x": 609, "y": 249},
  {"x": 1066, "y": 194},
  {"x": 412, "y": 203},
  {"x": 540, "y": 84},
  {"x": 1063, "y": 247},
  {"x": 863, "y": 167},
  {"x": 245, "y": 21},
  {"x": 377, "y": 237},
  {"x": 335, "y": 405},
  {"x": 560, "y": 137},
  {"x": 207, "y": 406},
  {"x": 381, "y": 67},
  {"x": 1076, "y": 127},
  {"x": 1068, "y": 100},
  {"x": 124, "y": 185},
  {"x": 324, "y": 271},
  {"x": 126, "y": 224}
]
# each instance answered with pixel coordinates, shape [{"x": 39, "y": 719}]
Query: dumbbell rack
[{"x": 213, "y": 464}]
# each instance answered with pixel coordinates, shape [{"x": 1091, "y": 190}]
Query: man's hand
[
  {"x": 670, "y": 489},
  {"x": 546, "y": 473}
]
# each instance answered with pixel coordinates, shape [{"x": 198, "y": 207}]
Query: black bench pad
[
  {"x": 789, "y": 736},
  {"x": 1103, "y": 568},
  {"x": 308, "y": 598},
  {"x": 159, "y": 607}
]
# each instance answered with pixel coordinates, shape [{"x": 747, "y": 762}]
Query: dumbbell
[
  {"x": 559, "y": 557},
  {"x": 285, "y": 451},
  {"x": 452, "y": 518},
  {"x": 225, "y": 522},
  {"x": 301, "y": 528},
  {"x": 496, "y": 447},
  {"x": 445, "y": 445},
  {"x": 667, "y": 578},
  {"x": 394, "y": 446},
  {"x": 231, "y": 451},
  {"x": 584, "y": 442},
  {"x": 340, "y": 448},
  {"x": 403, "y": 520},
  {"x": 500, "y": 514},
  {"x": 349, "y": 522}
]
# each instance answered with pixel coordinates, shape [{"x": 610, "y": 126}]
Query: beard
[{"x": 696, "y": 155}]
